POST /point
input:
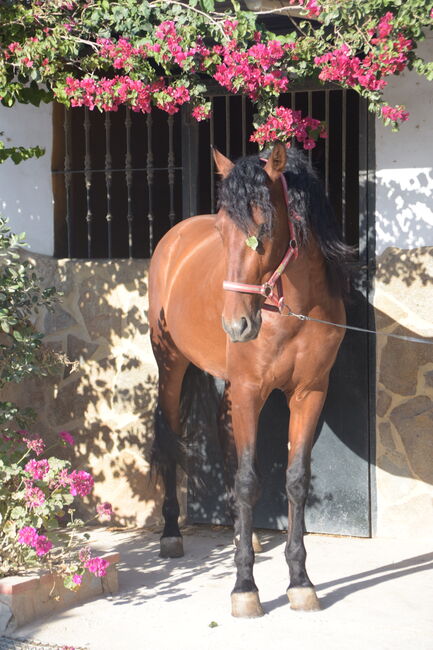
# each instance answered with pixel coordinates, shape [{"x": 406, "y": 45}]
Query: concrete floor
[{"x": 375, "y": 593}]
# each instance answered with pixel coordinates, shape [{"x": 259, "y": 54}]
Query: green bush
[{"x": 37, "y": 490}]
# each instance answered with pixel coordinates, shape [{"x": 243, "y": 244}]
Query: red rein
[{"x": 267, "y": 289}]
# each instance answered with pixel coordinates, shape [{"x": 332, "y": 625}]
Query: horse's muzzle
[{"x": 243, "y": 329}]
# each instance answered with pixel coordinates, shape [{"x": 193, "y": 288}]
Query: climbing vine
[{"x": 165, "y": 53}]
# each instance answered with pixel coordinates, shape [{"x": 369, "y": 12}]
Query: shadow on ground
[{"x": 209, "y": 556}]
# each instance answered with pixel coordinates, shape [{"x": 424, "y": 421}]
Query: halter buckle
[{"x": 267, "y": 290}]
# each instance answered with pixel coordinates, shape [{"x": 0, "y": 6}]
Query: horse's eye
[{"x": 218, "y": 229}]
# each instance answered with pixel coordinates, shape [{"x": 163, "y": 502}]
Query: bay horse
[{"x": 218, "y": 287}]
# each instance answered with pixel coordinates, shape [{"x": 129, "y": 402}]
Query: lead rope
[{"x": 303, "y": 317}]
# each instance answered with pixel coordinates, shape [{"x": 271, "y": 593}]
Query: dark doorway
[{"x": 339, "y": 499}]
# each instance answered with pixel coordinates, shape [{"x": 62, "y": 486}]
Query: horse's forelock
[{"x": 244, "y": 188}]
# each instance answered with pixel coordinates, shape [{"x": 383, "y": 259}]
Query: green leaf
[
  {"x": 208, "y": 5},
  {"x": 18, "y": 512},
  {"x": 252, "y": 242}
]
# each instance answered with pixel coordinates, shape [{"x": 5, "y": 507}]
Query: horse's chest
[{"x": 301, "y": 358}]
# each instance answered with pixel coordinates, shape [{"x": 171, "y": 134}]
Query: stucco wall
[
  {"x": 26, "y": 196},
  {"x": 403, "y": 299},
  {"x": 404, "y": 178}
]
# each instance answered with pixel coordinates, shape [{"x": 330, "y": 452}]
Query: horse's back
[{"x": 179, "y": 240}]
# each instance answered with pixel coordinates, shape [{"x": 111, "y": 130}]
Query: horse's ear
[
  {"x": 276, "y": 163},
  {"x": 223, "y": 164}
]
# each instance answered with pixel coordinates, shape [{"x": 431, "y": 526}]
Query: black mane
[{"x": 246, "y": 186}]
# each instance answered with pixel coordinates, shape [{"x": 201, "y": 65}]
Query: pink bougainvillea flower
[
  {"x": 104, "y": 510},
  {"x": 28, "y": 536},
  {"x": 43, "y": 545},
  {"x": 313, "y": 8},
  {"x": 285, "y": 124},
  {"x": 395, "y": 113},
  {"x": 80, "y": 483},
  {"x": 14, "y": 46},
  {"x": 97, "y": 565},
  {"x": 37, "y": 468},
  {"x": 77, "y": 579},
  {"x": 67, "y": 437},
  {"x": 201, "y": 112}
]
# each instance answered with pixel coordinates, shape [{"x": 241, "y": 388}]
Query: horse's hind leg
[
  {"x": 304, "y": 414},
  {"x": 167, "y": 449}
]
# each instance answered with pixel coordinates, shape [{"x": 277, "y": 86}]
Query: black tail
[{"x": 199, "y": 408}]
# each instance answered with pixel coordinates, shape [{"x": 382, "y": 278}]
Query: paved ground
[{"x": 375, "y": 594}]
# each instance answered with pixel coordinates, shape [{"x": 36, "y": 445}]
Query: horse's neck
[{"x": 306, "y": 277}]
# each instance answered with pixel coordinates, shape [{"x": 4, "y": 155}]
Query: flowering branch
[{"x": 161, "y": 53}]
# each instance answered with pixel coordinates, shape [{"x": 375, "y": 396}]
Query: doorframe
[{"x": 367, "y": 247}]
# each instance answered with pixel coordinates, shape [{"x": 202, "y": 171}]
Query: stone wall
[
  {"x": 107, "y": 402},
  {"x": 403, "y": 299}
]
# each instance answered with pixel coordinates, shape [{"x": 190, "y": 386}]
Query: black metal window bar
[
  {"x": 117, "y": 182},
  {"x": 121, "y": 180}
]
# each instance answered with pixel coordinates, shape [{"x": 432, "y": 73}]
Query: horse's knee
[
  {"x": 247, "y": 485},
  {"x": 297, "y": 481}
]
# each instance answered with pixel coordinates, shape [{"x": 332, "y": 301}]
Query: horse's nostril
[
  {"x": 244, "y": 325},
  {"x": 242, "y": 329}
]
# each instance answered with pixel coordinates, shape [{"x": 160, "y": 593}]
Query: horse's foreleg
[
  {"x": 245, "y": 408},
  {"x": 228, "y": 449},
  {"x": 304, "y": 414}
]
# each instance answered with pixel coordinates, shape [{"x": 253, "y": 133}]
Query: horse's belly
[{"x": 199, "y": 336}]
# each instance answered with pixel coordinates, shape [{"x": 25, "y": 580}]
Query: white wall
[
  {"x": 404, "y": 160},
  {"x": 25, "y": 190}
]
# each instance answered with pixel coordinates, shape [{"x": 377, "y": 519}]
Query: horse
[{"x": 219, "y": 287}]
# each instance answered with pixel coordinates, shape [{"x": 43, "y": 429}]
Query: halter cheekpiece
[{"x": 275, "y": 300}]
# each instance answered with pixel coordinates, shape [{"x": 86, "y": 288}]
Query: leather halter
[{"x": 267, "y": 289}]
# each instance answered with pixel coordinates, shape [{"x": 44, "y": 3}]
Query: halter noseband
[{"x": 267, "y": 288}]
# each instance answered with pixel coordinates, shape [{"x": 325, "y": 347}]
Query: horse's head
[{"x": 253, "y": 225}]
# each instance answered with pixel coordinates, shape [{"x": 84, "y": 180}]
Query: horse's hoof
[
  {"x": 171, "y": 547},
  {"x": 303, "y": 598},
  {"x": 246, "y": 605},
  {"x": 257, "y": 547}
]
